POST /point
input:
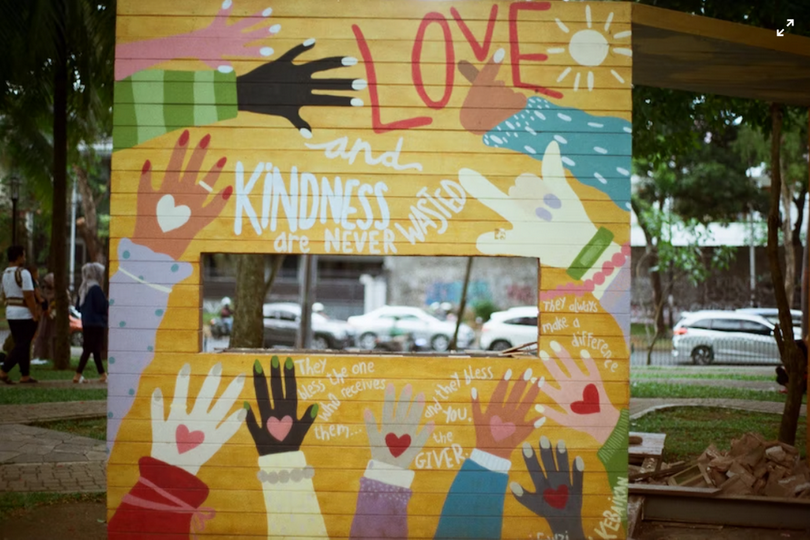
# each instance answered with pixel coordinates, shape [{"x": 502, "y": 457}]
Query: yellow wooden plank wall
[{"x": 405, "y": 128}]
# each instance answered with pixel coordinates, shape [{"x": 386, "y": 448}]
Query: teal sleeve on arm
[{"x": 474, "y": 505}]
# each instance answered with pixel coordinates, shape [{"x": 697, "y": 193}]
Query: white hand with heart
[
  {"x": 189, "y": 439},
  {"x": 171, "y": 216}
]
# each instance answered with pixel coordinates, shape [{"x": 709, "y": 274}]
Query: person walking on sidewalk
[
  {"x": 93, "y": 306},
  {"x": 22, "y": 313}
]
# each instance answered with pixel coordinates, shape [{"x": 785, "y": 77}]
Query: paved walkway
[{"x": 641, "y": 406}]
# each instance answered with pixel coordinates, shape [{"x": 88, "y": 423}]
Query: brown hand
[
  {"x": 503, "y": 426},
  {"x": 171, "y": 216},
  {"x": 489, "y": 102}
]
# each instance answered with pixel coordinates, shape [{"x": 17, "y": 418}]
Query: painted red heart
[
  {"x": 500, "y": 429},
  {"x": 187, "y": 440},
  {"x": 589, "y": 403},
  {"x": 556, "y": 498},
  {"x": 397, "y": 445},
  {"x": 279, "y": 429}
]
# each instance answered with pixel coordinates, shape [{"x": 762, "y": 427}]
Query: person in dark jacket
[{"x": 93, "y": 306}]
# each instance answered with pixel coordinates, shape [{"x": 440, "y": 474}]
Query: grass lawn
[
  {"x": 12, "y": 503},
  {"x": 690, "y": 430},
  {"x": 49, "y": 395},
  {"x": 666, "y": 390},
  {"x": 95, "y": 428}
]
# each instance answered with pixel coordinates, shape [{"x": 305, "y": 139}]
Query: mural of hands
[
  {"x": 489, "y": 102},
  {"x": 281, "y": 88},
  {"x": 397, "y": 441},
  {"x": 558, "y": 490},
  {"x": 280, "y": 430},
  {"x": 170, "y": 216},
  {"x": 536, "y": 209},
  {"x": 581, "y": 396},
  {"x": 189, "y": 439},
  {"x": 503, "y": 426}
]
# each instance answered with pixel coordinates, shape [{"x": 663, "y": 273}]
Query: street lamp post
[{"x": 15, "y": 196}]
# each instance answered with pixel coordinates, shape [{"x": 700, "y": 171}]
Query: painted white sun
[{"x": 589, "y": 48}]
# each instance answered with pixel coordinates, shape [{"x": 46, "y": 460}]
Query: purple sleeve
[
  {"x": 382, "y": 511},
  {"x": 139, "y": 295}
]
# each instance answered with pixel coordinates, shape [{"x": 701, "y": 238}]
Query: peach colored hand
[
  {"x": 503, "y": 426},
  {"x": 210, "y": 44},
  {"x": 581, "y": 396},
  {"x": 170, "y": 216},
  {"x": 489, "y": 102}
]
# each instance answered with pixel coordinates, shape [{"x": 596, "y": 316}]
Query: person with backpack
[
  {"x": 93, "y": 306},
  {"x": 22, "y": 313}
]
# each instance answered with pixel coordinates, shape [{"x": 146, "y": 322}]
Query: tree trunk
[
  {"x": 88, "y": 225},
  {"x": 462, "y": 304},
  {"x": 248, "y": 329},
  {"x": 58, "y": 228},
  {"x": 791, "y": 356},
  {"x": 655, "y": 276},
  {"x": 790, "y": 248}
]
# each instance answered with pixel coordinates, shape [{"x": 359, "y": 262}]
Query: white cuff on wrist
[
  {"x": 389, "y": 474},
  {"x": 490, "y": 461}
]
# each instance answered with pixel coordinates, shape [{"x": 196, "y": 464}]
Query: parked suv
[
  {"x": 510, "y": 328},
  {"x": 282, "y": 319},
  {"x": 725, "y": 336}
]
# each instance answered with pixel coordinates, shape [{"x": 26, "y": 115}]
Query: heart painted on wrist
[
  {"x": 397, "y": 445},
  {"x": 279, "y": 429},
  {"x": 171, "y": 216},
  {"x": 187, "y": 440},
  {"x": 589, "y": 403},
  {"x": 556, "y": 498},
  {"x": 500, "y": 430}
]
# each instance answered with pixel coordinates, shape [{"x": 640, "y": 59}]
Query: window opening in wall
[{"x": 381, "y": 304}]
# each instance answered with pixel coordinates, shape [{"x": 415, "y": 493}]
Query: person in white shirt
[{"x": 22, "y": 313}]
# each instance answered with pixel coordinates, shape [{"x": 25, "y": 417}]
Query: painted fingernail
[
  {"x": 226, "y": 194},
  {"x": 275, "y": 29},
  {"x": 390, "y": 390},
  {"x": 527, "y": 449},
  {"x": 225, "y": 69},
  {"x": 186, "y": 371},
  {"x": 508, "y": 375},
  {"x": 349, "y": 61},
  {"x": 288, "y": 365},
  {"x": 157, "y": 395},
  {"x": 368, "y": 416},
  {"x": 241, "y": 415},
  {"x": 540, "y": 423},
  {"x": 274, "y": 362},
  {"x": 267, "y": 12},
  {"x": 556, "y": 346},
  {"x": 561, "y": 446},
  {"x": 516, "y": 489},
  {"x": 183, "y": 138},
  {"x": 240, "y": 379},
  {"x": 420, "y": 399},
  {"x": 474, "y": 393},
  {"x": 552, "y": 201},
  {"x": 357, "y": 102},
  {"x": 147, "y": 166},
  {"x": 217, "y": 369},
  {"x": 227, "y": 4},
  {"x": 541, "y": 382},
  {"x": 305, "y": 133},
  {"x": 544, "y": 442},
  {"x": 579, "y": 464},
  {"x": 204, "y": 141},
  {"x": 544, "y": 356},
  {"x": 359, "y": 84},
  {"x": 266, "y": 51},
  {"x": 584, "y": 354},
  {"x": 539, "y": 408},
  {"x": 222, "y": 161},
  {"x": 246, "y": 406},
  {"x": 315, "y": 409},
  {"x": 408, "y": 388},
  {"x": 499, "y": 56},
  {"x": 257, "y": 367},
  {"x": 310, "y": 42},
  {"x": 543, "y": 214},
  {"x": 430, "y": 426},
  {"x": 527, "y": 375}
]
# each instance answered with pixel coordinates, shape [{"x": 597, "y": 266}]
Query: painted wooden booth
[{"x": 469, "y": 128}]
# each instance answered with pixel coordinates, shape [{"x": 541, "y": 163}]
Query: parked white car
[
  {"x": 510, "y": 328},
  {"x": 725, "y": 336},
  {"x": 378, "y": 324}
]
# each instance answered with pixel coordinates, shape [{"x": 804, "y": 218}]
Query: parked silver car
[
  {"x": 379, "y": 324},
  {"x": 281, "y": 322},
  {"x": 725, "y": 336}
]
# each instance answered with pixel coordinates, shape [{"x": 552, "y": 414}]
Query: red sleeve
[{"x": 161, "y": 505}]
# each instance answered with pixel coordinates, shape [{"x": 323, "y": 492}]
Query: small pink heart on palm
[
  {"x": 500, "y": 430},
  {"x": 279, "y": 429},
  {"x": 187, "y": 440}
]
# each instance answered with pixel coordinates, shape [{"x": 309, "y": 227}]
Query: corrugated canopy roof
[{"x": 700, "y": 54}]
